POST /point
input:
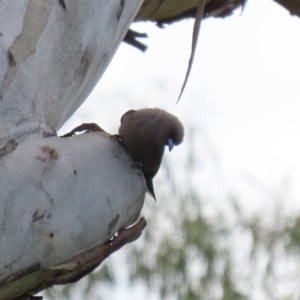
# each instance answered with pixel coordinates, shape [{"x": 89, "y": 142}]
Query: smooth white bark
[
  {"x": 57, "y": 200},
  {"x": 51, "y": 57},
  {"x": 60, "y": 197}
]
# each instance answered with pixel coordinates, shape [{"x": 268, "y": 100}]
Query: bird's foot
[
  {"x": 85, "y": 127},
  {"x": 116, "y": 137}
]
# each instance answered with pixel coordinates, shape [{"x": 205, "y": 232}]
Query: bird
[{"x": 144, "y": 133}]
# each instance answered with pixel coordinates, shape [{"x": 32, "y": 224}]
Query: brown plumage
[{"x": 145, "y": 133}]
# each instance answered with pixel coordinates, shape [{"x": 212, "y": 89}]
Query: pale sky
[{"x": 242, "y": 99}]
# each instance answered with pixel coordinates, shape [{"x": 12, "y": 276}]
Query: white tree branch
[
  {"x": 60, "y": 197},
  {"x": 52, "y": 53}
]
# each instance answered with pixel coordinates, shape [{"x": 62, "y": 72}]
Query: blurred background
[{"x": 226, "y": 224}]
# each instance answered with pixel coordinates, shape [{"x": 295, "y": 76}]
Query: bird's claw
[
  {"x": 85, "y": 127},
  {"x": 116, "y": 137}
]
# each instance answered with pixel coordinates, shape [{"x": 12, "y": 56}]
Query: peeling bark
[
  {"x": 51, "y": 58},
  {"x": 62, "y": 199},
  {"x": 25, "y": 43},
  {"x": 37, "y": 279}
]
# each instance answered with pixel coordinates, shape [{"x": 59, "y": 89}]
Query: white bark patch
[
  {"x": 62, "y": 196},
  {"x": 52, "y": 54},
  {"x": 25, "y": 43},
  {"x": 62, "y": 199}
]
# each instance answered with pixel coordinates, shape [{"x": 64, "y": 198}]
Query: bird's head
[{"x": 171, "y": 130}]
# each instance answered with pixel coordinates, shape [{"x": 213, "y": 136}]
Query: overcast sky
[{"x": 242, "y": 98}]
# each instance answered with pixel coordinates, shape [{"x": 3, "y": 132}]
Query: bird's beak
[{"x": 170, "y": 144}]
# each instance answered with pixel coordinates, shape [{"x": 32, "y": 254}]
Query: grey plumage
[{"x": 145, "y": 133}]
